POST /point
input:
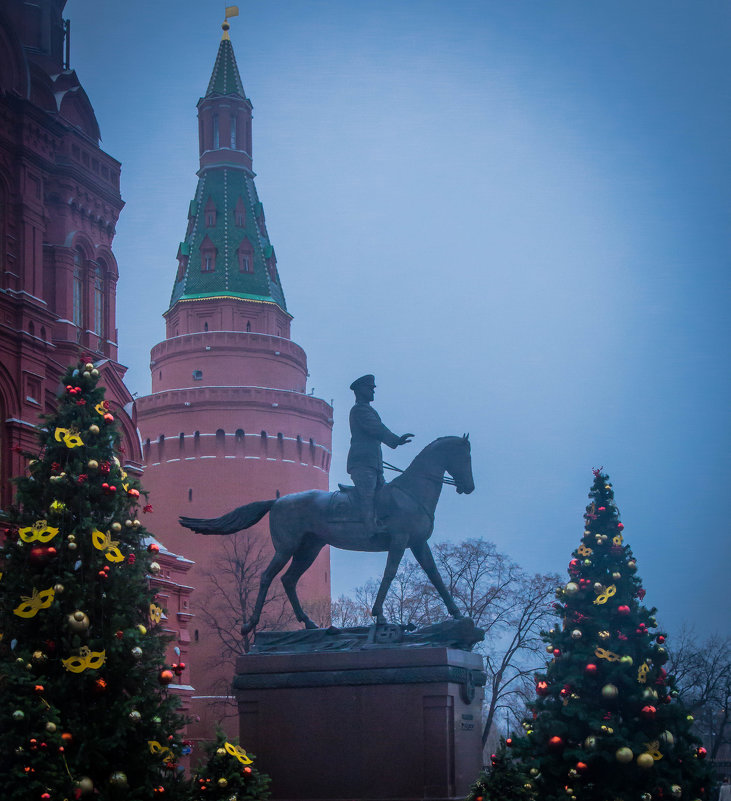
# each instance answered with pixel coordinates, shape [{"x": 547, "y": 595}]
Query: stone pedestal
[{"x": 399, "y": 723}]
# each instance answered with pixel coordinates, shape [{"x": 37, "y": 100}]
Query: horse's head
[{"x": 459, "y": 463}]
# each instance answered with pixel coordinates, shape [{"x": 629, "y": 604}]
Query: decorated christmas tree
[
  {"x": 84, "y": 707},
  {"x": 229, "y": 774},
  {"x": 606, "y": 724}
]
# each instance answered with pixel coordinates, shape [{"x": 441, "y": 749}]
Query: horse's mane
[{"x": 426, "y": 451}]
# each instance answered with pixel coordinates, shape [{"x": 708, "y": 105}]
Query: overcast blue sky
[{"x": 516, "y": 214}]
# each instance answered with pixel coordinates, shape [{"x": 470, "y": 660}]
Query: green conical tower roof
[
  {"x": 226, "y": 252},
  {"x": 225, "y": 79}
]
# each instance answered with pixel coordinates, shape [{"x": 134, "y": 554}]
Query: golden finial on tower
[{"x": 231, "y": 11}]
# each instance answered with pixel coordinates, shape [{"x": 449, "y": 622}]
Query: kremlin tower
[{"x": 229, "y": 420}]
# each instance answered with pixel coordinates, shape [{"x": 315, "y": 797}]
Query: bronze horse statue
[{"x": 301, "y": 524}]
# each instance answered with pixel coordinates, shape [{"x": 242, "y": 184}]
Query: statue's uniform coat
[{"x": 367, "y": 433}]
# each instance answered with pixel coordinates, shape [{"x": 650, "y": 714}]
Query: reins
[{"x": 439, "y": 480}]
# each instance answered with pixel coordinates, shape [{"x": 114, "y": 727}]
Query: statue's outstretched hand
[{"x": 404, "y": 439}]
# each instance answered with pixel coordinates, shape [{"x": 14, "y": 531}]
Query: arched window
[
  {"x": 246, "y": 256},
  {"x": 78, "y": 291},
  {"x": 99, "y": 315}
]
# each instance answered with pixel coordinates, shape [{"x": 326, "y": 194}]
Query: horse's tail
[{"x": 238, "y": 520}]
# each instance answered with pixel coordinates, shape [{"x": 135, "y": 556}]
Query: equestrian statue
[{"x": 372, "y": 516}]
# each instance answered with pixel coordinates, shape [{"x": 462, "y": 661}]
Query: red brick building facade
[{"x": 59, "y": 204}]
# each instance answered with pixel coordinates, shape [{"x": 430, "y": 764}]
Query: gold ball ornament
[
  {"x": 95, "y": 373},
  {"x": 590, "y": 743},
  {"x": 128, "y": 523},
  {"x": 645, "y": 797},
  {"x": 86, "y": 374},
  {"x": 689, "y": 718},
  {"x": 72, "y": 546},
  {"x": 136, "y": 652},
  {"x": 118, "y": 779},
  {"x": 58, "y": 588},
  {"x": 666, "y": 738},
  {"x": 94, "y": 429},
  {"x": 632, "y": 565},
  {"x": 39, "y": 656},
  {"x": 598, "y": 587},
  {"x": 136, "y": 523},
  {"x": 86, "y": 785},
  {"x": 51, "y": 727},
  {"x": 220, "y": 752},
  {"x": 549, "y": 649},
  {"x": 626, "y": 660},
  {"x": 89, "y": 366},
  {"x": 610, "y": 691},
  {"x": 676, "y": 791},
  {"x": 576, "y": 634},
  {"x": 92, "y": 464},
  {"x": 604, "y": 635},
  {"x": 587, "y": 562},
  {"x": 573, "y": 773},
  {"x": 645, "y": 761},
  {"x": 624, "y": 755},
  {"x": 223, "y": 782},
  {"x": 135, "y": 716},
  {"x": 616, "y": 576},
  {"x": 77, "y": 621},
  {"x": 571, "y": 588},
  {"x": 116, "y": 527},
  {"x": 648, "y": 694},
  {"x": 533, "y": 772},
  {"x": 142, "y": 630},
  {"x": 154, "y": 568}
]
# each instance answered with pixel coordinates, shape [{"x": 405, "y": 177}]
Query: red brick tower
[
  {"x": 59, "y": 204},
  {"x": 228, "y": 420}
]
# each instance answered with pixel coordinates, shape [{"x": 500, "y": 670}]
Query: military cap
[{"x": 364, "y": 381}]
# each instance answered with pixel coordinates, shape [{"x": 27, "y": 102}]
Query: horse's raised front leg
[
  {"x": 422, "y": 553},
  {"x": 395, "y": 555},
  {"x": 277, "y": 563},
  {"x": 303, "y": 557}
]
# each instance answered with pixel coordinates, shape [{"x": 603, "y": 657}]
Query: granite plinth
[{"x": 402, "y": 724}]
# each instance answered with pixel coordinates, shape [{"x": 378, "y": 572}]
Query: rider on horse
[{"x": 365, "y": 462}]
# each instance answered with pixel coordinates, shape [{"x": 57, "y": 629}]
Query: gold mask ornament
[
  {"x": 40, "y": 530},
  {"x": 69, "y": 437},
  {"x": 85, "y": 660},
  {"x": 32, "y": 604},
  {"x": 104, "y": 542},
  {"x": 603, "y": 597}
]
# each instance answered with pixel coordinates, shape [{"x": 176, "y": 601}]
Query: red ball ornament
[
  {"x": 39, "y": 688},
  {"x": 648, "y": 712},
  {"x": 153, "y": 547},
  {"x": 591, "y": 669},
  {"x": 165, "y": 677},
  {"x": 542, "y": 688},
  {"x": 133, "y": 493},
  {"x": 702, "y": 753},
  {"x": 557, "y": 652},
  {"x": 620, "y": 526},
  {"x": 555, "y": 742},
  {"x": 660, "y": 639},
  {"x": 108, "y": 418},
  {"x": 509, "y": 742},
  {"x": 582, "y": 767},
  {"x": 623, "y": 610}
]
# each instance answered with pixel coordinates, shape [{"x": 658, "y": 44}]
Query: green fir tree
[
  {"x": 606, "y": 724},
  {"x": 229, "y": 774},
  {"x": 84, "y": 706},
  {"x": 504, "y": 780}
]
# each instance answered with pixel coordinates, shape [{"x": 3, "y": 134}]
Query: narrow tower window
[
  {"x": 233, "y": 133},
  {"x": 215, "y": 131}
]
